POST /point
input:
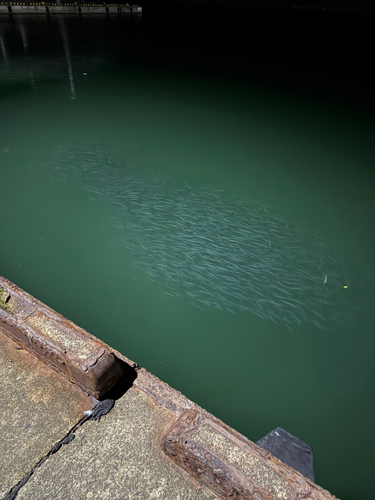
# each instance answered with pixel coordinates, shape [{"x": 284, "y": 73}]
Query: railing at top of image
[
  {"x": 77, "y": 4},
  {"x": 79, "y": 7}
]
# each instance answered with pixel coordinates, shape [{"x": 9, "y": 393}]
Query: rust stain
[
  {"x": 57, "y": 333},
  {"x": 231, "y": 465},
  {"x": 43, "y": 385},
  {"x": 63, "y": 346}
]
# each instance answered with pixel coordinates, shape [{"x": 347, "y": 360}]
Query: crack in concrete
[{"x": 101, "y": 409}]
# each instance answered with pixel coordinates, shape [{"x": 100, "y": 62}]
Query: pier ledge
[{"x": 78, "y": 419}]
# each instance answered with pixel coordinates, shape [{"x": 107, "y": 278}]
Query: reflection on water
[
  {"x": 3, "y": 50},
  {"x": 35, "y": 70},
  {"x": 64, "y": 36},
  {"x": 213, "y": 248},
  {"x": 28, "y": 63}
]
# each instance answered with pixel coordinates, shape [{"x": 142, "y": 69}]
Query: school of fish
[{"x": 213, "y": 248}]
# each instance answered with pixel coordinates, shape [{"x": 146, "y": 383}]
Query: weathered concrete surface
[
  {"x": 118, "y": 457},
  {"x": 65, "y": 347},
  {"x": 37, "y": 409}
]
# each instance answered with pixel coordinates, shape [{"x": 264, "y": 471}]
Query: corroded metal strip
[
  {"x": 58, "y": 342},
  {"x": 232, "y": 466},
  {"x": 162, "y": 393}
]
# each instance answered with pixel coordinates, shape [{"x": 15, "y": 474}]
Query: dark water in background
[{"x": 199, "y": 194}]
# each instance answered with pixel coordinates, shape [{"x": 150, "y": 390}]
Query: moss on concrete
[
  {"x": 4, "y": 298},
  {"x": 2, "y": 304}
]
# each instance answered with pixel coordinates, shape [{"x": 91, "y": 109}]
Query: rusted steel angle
[
  {"x": 58, "y": 342},
  {"x": 231, "y": 465}
]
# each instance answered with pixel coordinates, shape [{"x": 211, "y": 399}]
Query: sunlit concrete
[{"x": 37, "y": 409}]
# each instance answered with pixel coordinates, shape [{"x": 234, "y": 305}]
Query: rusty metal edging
[
  {"x": 210, "y": 451},
  {"x": 221, "y": 458},
  {"x": 231, "y": 465},
  {"x": 63, "y": 346}
]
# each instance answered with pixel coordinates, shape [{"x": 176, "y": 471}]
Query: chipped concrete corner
[{"x": 168, "y": 447}]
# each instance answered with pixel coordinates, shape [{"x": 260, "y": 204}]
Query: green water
[{"x": 103, "y": 84}]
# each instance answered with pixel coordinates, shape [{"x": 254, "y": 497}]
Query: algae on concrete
[{"x": 4, "y": 297}]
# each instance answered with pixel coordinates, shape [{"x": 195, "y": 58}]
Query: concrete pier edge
[{"x": 209, "y": 451}]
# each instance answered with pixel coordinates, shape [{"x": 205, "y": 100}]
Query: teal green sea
[{"x": 141, "y": 250}]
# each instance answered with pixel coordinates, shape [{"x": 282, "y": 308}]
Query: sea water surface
[{"x": 207, "y": 215}]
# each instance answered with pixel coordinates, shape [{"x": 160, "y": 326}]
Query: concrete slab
[
  {"x": 118, "y": 457},
  {"x": 37, "y": 409}
]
